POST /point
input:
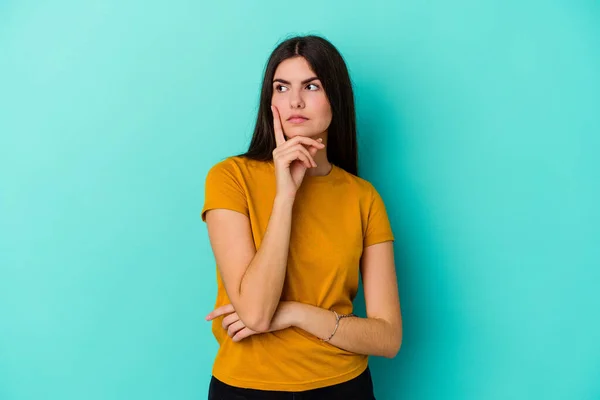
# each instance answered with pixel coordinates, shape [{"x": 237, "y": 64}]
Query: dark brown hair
[{"x": 329, "y": 66}]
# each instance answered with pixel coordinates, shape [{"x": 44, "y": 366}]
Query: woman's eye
[{"x": 280, "y": 87}]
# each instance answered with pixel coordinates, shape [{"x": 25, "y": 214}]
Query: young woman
[{"x": 291, "y": 225}]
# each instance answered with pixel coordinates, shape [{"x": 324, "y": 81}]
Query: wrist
[
  {"x": 284, "y": 201},
  {"x": 292, "y": 311}
]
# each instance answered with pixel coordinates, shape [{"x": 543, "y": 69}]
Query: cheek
[
  {"x": 324, "y": 109},
  {"x": 277, "y": 101},
  {"x": 325, "y": 112}
]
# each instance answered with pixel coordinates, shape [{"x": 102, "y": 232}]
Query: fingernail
[{"x": 319, "y": 140}]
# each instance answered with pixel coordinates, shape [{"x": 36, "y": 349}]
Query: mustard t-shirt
[{"x": 334, "y": 217}]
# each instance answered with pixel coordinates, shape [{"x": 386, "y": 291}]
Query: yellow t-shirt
[{"x": 334, "y": 217}]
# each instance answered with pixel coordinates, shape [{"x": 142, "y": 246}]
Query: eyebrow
[{"x": 303, "y": 82}]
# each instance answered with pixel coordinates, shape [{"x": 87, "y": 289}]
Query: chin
[{"x": 300, "y": 132}]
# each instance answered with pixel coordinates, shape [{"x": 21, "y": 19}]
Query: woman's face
[{"x": 295, "y": 92}]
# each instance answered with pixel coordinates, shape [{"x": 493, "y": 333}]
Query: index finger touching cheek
[{"x": 279, "y": 137}]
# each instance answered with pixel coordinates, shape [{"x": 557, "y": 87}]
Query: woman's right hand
[
  {"x": 292, "y": 158},
  {"x": 237, "y": 330}
]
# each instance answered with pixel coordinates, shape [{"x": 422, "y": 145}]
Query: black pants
[{"x": 359, "y": 388}]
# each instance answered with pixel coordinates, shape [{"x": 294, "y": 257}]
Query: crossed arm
[{"x": 254, "y": 281}]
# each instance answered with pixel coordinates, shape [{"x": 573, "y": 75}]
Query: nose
[{"x": 296, "y": 100}]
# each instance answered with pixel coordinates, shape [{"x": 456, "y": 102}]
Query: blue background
[{"x": 479, "y": 125}]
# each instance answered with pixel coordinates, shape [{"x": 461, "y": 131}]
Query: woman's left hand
[{"x": 235, "y": 326}]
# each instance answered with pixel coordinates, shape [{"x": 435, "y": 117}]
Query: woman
[{"x": 291, "y": 225}]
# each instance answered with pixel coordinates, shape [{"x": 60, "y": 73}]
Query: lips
[{"x": 297, "y": 120}]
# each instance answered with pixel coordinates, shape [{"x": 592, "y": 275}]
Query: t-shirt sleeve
[
  {"x": 223, "y": 189},
  {"x": 378, "y": 224}
]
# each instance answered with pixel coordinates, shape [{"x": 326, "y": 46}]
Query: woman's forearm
[
  {"x": 371, "y": 336},
  {"x": 262, "y": 283}
]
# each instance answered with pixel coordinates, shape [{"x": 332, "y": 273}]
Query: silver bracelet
[{"x": 337, "y": 323}]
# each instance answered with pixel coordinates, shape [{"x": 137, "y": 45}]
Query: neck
[{"x": 323, "y": 164}]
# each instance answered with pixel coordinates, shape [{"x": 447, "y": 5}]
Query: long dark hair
[{"x": 329, "y": 66}]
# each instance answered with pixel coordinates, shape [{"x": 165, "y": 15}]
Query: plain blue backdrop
[{"x": 479, "y": 125}]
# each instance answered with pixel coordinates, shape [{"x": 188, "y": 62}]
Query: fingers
[
  {"x": 300, "y": 153},
  {"x": 232, "y": 323},
  {"x": 309, "y": 142},
  {"x": 226, "y": 309},
  {"x": 279, "y": 137},
  {"x": 228, "y": 320},
  {"x": 290, "y": 150},
  {"x": 235, "y": 327},
  {"x": 243, "y": 334}
]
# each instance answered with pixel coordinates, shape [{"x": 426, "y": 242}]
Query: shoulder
[
  {"x": 361, "y": 186},
  {"x": 238, "y": 165},
  {"x": 228, "y": 164},
  {"x": 240, "y": 171}
]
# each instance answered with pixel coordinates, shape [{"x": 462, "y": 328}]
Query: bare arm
[
  {"x": 253, "y": 279},
  {"x": 381, "y": 332}
]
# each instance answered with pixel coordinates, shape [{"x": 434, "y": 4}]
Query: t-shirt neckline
[
  {"x": 321, "y": 178},
  {"x": 317, "y": 178}
]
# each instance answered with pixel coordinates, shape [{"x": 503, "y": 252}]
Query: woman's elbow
[
  {"x": 254, "y": 316},
  {"x": 259, "y": 327},
  {"x": 395, "y": 345},
  {"x": 394, "y": 350},
  {"x": 257, "y": 322}
]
